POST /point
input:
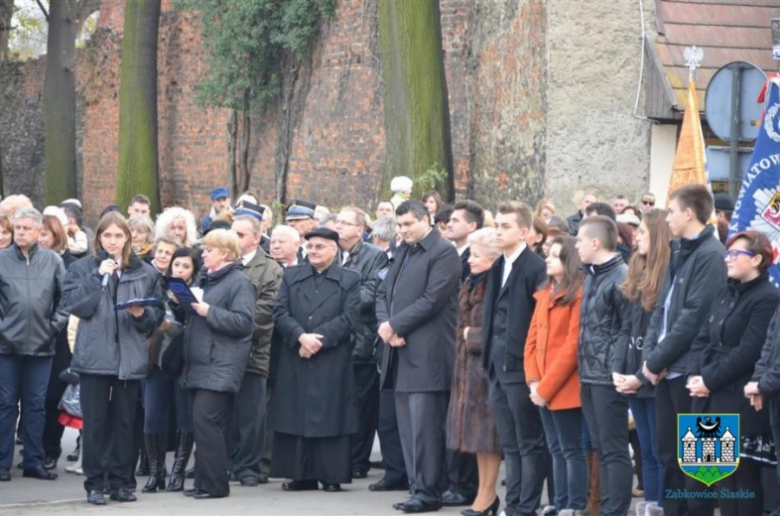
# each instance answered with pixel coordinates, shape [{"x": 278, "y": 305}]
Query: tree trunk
[
  {"x": 138, "y": 168},
  {"x": 416, "y": 118},
  {"x": 246, "y": 134},
  {"x": 6, "y": 13},
  {"x": 59, "y": 103},
  {"x": 231, "y": 164}
]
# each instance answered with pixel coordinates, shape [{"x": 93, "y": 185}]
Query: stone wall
[{"x": 594, "y": 143}]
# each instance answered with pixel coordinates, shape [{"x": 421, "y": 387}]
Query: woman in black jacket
[
  {"x": 162, "y": 388},
  {"x": 723, "y": 358},
  {"x": 111, "y": 354},
  {"x": 217, "y": 343}
]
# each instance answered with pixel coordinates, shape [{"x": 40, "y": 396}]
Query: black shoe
[
  {"x": 143, "y": 464},
  {"x": 331, "y": 488},
  {"x": 262, "y": 478},
  {"x": 400, "y": 505},
  {"x": 96, "y": 497},
  {"x": 249, "y": 481},
  {"x": 203, "y": 495},
  {"x": 359, "y": 473},
  {"x": 301, "y": 485},
  {"x": 40, "y": 473},
  {"x": 454, "y": 499},
  {"x": 385, "y": 485},
  {"x": 416, "y": 506},
  {"x": 377, "y": 465},
  {"x": 182, "y": 457},
  {"x": 155, "y": 454},
  {"x": 493, "y": 509},
  {"x": 74, "y": 455},
  {"x": 122, "y": 494},
  {"x": 50, "y": 463},
  {"x": 192, "y": 492},
  {"x": 5, "y": 475}
]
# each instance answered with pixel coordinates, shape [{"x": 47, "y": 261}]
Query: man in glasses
[
  {"x": 314, "y": 410},
  {"x": 367, "y": 260},
  {"x": 648, "y": 202}
]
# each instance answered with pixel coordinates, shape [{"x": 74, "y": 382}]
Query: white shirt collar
[
  {"x": 461, "y": 250},
  {"x": 510, "y": 260},
  {"x": 248, "y": 257}
]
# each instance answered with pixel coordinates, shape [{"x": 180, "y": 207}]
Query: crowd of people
[{"x": 461, "y": 337}]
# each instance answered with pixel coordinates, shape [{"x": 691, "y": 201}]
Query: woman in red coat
[
  {"x": 470, "y": 424},
  {"x": 551, "y": 372}
]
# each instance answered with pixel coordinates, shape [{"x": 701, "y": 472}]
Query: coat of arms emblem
[{"x": 708, "y": 445}]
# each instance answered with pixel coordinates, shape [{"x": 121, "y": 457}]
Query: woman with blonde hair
[
  {"x": 470, "y": 424},
  {"x": 545, "y": 210},
  {"x": 217, "y": 343},
  {"x": 178, "y": 223},
  {"x": 142, "y": 233}
]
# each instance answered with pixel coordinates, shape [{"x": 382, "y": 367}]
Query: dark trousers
[
  {"x": 672, "y": 398},
  {"x": 563, "y": 430},
  {"x": 24, "y": 378},
  {"x": 422, "y": 417},
  {"x": 606, "y": 413},
  {"x": 211, "y": 412},
  {"x": 367, "y": 393},
  {"x": 52, "y": 430},
  {"x": 249, "y": 421},
  {"x": 747, "y": 477},
  {"x": 521, "y": 434},
  {"x": 162, "y": 389},
  {"x": 268, "y": 434},
  {"x": 462, "y": 473},
  {"x": 643, "y": 410},
  {"x": 109, "y": 406},
  {"x": 390, "y": 440}
]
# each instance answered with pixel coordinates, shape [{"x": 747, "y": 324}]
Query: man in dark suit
[
  {"x": 367, "y": 260},
  {"x": 416, "y": 308},
  {"x": 509, "y": 306},
  {"x": 462, "y": 473}
]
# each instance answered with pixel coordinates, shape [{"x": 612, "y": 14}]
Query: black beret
[{"x": 323, "y": 233}]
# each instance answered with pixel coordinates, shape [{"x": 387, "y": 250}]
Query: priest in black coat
[{"x": 314, "y": 409}]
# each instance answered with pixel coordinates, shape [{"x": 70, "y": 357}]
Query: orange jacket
[{"x": 551, "y": 351}]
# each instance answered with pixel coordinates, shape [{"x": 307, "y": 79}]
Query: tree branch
[
  {"x": 43, "y": 10},
  {"x": 86, "y": 8}
]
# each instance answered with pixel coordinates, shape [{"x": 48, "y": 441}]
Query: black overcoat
[{"x": 315, "y": 397}]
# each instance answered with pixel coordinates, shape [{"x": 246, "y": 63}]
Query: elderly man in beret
[{"x": 314, "y": 409}]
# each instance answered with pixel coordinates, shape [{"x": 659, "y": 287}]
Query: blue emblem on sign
[{"x": 708, "y": 445}]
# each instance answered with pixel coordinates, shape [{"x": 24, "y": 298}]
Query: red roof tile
[{"x": 726, "y": 30}]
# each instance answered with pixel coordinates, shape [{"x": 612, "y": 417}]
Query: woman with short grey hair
[{"x": 142, "y": 232}]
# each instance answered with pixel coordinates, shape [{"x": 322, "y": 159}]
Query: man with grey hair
[
  {"x": 285, "y": 241},
  {"x": 30, "y": 301},
  {"x": 249, "y": 405},
  {"x": 383, "y": 234}
]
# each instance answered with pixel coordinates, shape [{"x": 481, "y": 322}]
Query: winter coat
[
  {"x": 633, "y": 331},
  {"x": 729, "y": 345},
  {"x": 315, "y": 397},
  {"x": 217, "y": 347},
  {"x": 600, "y": 322},
  {"x": 696, "y": 273},
  {"x": 551, "y": 350},
  {"x": 367, "y": 260},
  {"x": 471, "y": 427},
  {"x": 266, "y": 276},
  {"x": 420, "y": 300},
  {"x": 767, "y": 372},
  {"x": 31, "y": 310},
  {"x": 111, "y": 342}
]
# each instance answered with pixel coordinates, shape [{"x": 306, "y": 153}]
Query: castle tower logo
[{"x": 708, "y": 445}]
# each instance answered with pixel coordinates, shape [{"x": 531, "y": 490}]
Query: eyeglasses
[
  {"x": 648, "y": 203},
  {"x": 732, "y": 254},
  {"x": 346, "y": 223}
]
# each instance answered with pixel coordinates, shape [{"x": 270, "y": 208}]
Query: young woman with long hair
[
  {"x": 551, "y": 372},
  {"x": 644, "y": 283}
]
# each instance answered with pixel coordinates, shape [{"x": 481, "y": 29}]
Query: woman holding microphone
[{"x": 111, "y": 354}]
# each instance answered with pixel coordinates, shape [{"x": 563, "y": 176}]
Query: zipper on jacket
[
  {"x": 116, "y": 324},
  {"x": 29, "y": 296}
]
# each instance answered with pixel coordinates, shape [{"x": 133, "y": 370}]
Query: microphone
[{"x": 103, "y": 255}]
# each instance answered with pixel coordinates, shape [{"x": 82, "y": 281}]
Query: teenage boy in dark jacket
[
  {"x": 696, "y": 273},
  {"x": 605, "y": 409}
]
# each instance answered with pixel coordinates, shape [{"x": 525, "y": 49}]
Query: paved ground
[{"x": 27, "y": 497}]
